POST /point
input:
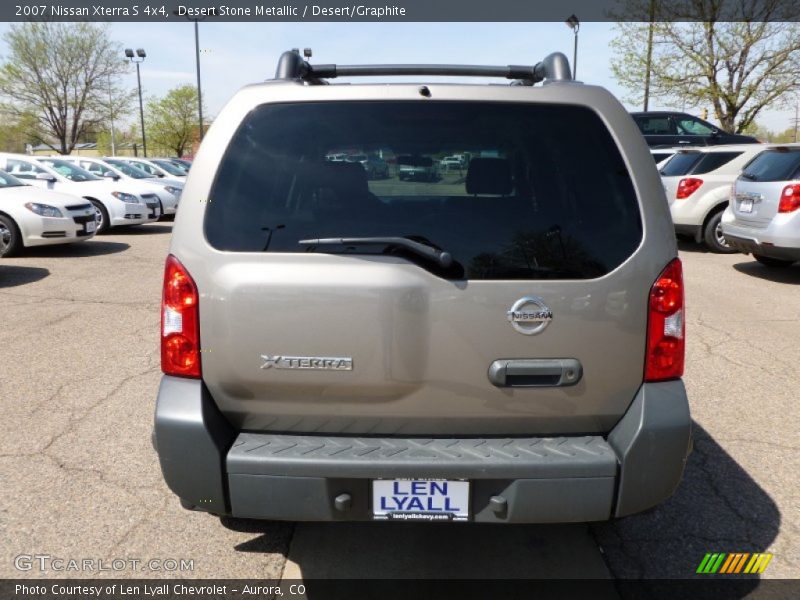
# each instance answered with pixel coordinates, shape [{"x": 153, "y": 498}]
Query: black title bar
[{"x": 401, "y": 10}]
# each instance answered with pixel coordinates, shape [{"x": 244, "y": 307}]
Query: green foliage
[
  {"x": 14, "y": 133},
  {"x": 62, "y": 74},
  {"x": 737, "y": 67},
  {"x": 172, "y": 121}
]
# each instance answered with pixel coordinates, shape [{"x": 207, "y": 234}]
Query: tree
[
  {"x": 172, "y": 121},
  {"x": 738, "y": 66},
  {"x": 14, "y": 130},
  {"x": 63, "y": 74}
]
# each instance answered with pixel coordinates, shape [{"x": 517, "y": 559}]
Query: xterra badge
[
  {"x": 530, "y": 315},
  {"x": 319, "y": 363}
]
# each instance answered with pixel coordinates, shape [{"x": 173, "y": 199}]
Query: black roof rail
[{"x": 292, "y": 66}]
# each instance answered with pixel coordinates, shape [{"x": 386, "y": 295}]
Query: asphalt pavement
[{"x": 79, "y": 369}]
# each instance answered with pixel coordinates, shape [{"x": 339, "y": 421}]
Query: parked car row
[
  {"x": 64, "y": 199},
  {"x": 737, "y": 198}
]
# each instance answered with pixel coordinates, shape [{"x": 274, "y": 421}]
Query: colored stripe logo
[{"x": 736, "y": 562}]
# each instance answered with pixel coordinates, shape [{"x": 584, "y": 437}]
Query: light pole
[
  {"x": 574, "y": 24},
  {"x": 140, "y": 55},
  {"x": 197, "y": 66}
]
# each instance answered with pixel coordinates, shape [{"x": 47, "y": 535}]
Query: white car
[
  {"x": 166, "y": 191},
  {"x": 30, "y": 216},
  {"x": 156, "y": 167},
  {"x": 764, "y": 216},
  {"x": 114, "y": 203},
  {"x": 452, "y": 163},
  {"x": 698, "y": 183}
]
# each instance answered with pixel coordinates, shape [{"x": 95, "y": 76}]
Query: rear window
[
  {"x": 774, "y": 165},
  {"x": 544, "y": 192}
]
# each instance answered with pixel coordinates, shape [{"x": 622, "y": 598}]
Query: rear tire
[
  {"x": 101, "y": 216},
  {"x": 712, "y": 236},
  {"x": 10, "y": 237},
  {"x": 768, "y": 261}
]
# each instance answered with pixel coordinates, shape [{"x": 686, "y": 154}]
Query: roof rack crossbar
[{"x": 554, "y": 67}]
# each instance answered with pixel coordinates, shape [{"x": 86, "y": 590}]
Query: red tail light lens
[
  {"x": 180, "y": 331},
  {"x": 687, "y": 187},
  {"x": 790, "y": 198},
  {"x": 666, "y": 344}
]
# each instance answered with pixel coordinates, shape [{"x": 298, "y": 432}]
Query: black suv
[{"x": 663, "y": 129}]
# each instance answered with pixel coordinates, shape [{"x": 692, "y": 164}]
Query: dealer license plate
[
  {"x": 420, "y": 499},
  {"x": 746, "y": 206}
]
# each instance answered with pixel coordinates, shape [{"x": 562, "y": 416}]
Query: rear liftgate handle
[{"x": 534, "y": 372}]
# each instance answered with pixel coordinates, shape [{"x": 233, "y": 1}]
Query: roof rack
[{"x": 292, "y": 66}]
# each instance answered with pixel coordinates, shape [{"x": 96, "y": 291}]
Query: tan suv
[{"x": 500, "y": 345}]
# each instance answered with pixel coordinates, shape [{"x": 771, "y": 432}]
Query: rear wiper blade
[
  {"x": 748, "y": 176},
  {"x": 440, "y": 257}
]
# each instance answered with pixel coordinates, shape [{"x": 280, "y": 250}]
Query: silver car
[
  {"x": 763, "y": 216},
  {"x": 501, "y": 347}
]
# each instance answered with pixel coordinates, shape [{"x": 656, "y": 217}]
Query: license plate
[
  {"x": 746, "y": 206},
  {"x": 420, "y": 500},
  {"x": 90, "y": 226}
]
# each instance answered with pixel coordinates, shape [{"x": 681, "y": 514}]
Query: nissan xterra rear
[{"x": 502, "y": 344}]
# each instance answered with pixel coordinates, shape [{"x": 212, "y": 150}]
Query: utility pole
[
  {"x": 111, "y": 115},
  {"x": 197, "y": 66},
  {"x": 199, "y": 92},
  {"x": 649, "y": 56}
]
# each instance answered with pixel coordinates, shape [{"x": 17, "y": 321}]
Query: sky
[{"x": 236, "y": 54}]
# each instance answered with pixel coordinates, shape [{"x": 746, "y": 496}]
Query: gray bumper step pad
[{"x": 472, "y": 458}]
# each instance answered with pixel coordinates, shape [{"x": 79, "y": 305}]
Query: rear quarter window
[
  {"x": 711, "y": 161},
  {"x": 680, "y": 164},
  {"x": 544, "y": 192}
]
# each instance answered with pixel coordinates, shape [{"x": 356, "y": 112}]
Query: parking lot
[{"x": 80, "y": 369}]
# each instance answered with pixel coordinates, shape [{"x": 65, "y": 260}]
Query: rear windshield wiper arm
[{"x": 440, "y": 257}]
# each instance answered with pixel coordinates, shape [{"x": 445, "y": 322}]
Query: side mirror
[
  {"x": 714, "y": 132},
  {"x": 111, "y": 175},
  {"x": 45, "y": 177}
]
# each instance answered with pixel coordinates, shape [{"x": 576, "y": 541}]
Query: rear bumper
[
  {"x": 540, "y": 480},
  {"x": 780, "y": 238},
  {"x": 753, "y": 246}
]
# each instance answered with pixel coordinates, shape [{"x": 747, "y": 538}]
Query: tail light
[
  {"x": 180, "y": 331},
  {"x": 790, "y": 198},
  {"x": 666, "y": 344},
  {"x": 687, "y": 187}
]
